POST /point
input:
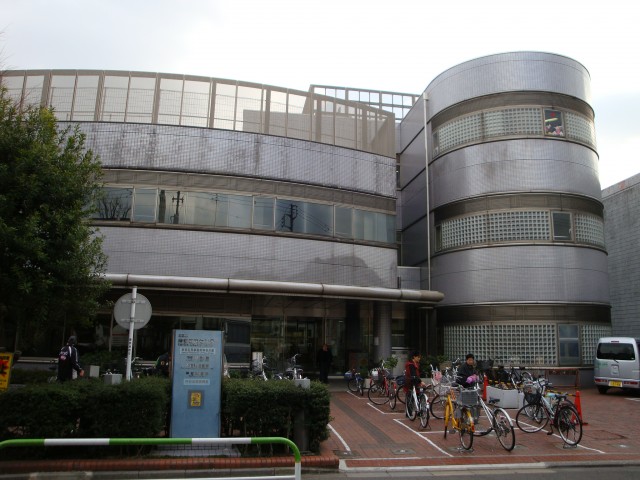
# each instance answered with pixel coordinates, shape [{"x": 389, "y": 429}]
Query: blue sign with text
[{"x": 197, "y": 382}]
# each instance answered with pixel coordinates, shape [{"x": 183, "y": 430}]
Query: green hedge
[
  {"x": 89, "y": 409},
  {"x": 252, "y": 408}
]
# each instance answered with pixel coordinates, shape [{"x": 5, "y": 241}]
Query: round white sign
[{"x": 122, "y": 311}]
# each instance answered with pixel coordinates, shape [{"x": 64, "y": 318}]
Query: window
[
  {"x": 568, "y": 345},
  {"x": 553, "y": 125},
  {"x": 145, "y": 205},
  {"x": 263, "y": 213},
  {"x": 114, "y": 204},
  {"x": 616, "y": 351},
  {"x": 561, "y": 226},
  {"x": 343, "y": 222}
]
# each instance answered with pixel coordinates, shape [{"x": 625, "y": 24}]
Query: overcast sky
[{"x": 395, "y": 45}]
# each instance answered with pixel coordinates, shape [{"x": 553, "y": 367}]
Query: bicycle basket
[
  {"x": 468, "y": 398},
  {"x": 378, "y": 374},
  {"x": 348, "y": 375},
  {"x": 532, "y": 393}
]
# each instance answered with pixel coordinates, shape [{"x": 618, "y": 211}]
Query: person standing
[
  {"x": 467, "y": 376},
  {"x": 324, "y": 359},
  {"x": 69, "y": 361},
  {"x": 412, "y": 378}
]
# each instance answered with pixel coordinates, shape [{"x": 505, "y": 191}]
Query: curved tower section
[{"x": 516, "y": 218}]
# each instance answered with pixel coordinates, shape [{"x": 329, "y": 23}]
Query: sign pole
[{"x": 132, "y": 317}]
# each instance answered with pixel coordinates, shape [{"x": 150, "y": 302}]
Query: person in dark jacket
[
  {"x": 69, "y": 361},
  {"x": 467, "y": 375},
  {"x": 324, "y": 359}
]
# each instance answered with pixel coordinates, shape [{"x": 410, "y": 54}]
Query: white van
[{"x": 617, "y": 363}]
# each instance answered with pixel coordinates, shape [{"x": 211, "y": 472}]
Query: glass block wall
[
  {"x": 518, "y": 344},
  {"x": 508, "y": 122}
]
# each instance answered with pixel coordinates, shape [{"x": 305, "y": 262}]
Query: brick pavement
[{"x": 365, "y": 436}]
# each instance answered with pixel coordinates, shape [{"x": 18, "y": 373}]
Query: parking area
[{"x": 365, "y": 435}]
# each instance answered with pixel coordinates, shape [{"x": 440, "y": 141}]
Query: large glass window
[
  {"x": 114, "y": 204},
  {"x": 213, "y": 209},
  {"x": 343, "y": 222},
  {"x": 144, "y": 206},
  {"x": 304, "y": 217},
  {"x": 263, "y": 213}
]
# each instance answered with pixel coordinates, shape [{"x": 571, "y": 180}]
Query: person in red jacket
[{"x": 412, "y": 375}]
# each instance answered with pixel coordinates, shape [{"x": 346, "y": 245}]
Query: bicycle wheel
[
  {"x": 411, "y": 409},
  {"x": 378, "y": 394},
  {"x": 423, "y": 410},
  {"x": 532, "y": 418},
  {"x": 569, "y": 424},
  {"x": 352, "y": 385},
  {"x": 361, "y": 387},
  {"x": 430, "y": 391},
  {"x": 503, "y": 426},
  {"x": 466, "y": 429},
  {"x": 437, "y": 406},
  {"x": 393, "y": 395},
  {"x": 401, "y": 395}
]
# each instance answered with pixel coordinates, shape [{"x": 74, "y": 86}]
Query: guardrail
[{"x": 65, "y": 442}]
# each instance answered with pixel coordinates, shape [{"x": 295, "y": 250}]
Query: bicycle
[
  {"x": 457, "y": 414},
  {"x": 515, "y": 377},
  {"x": 355, "y": 382},
  {"x": 259, "y": 371},
  {"x": 294, "y": 371},
  {"x": 556, "y": 411},
  {"x": 442, "y": 385},
  {"x": 381, "y": 390},
  {"x": 499, "y": 422},
  {"x": 417, "y": 405}
]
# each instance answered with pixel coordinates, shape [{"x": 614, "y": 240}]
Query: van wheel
[{"x": 603, "y": 390}]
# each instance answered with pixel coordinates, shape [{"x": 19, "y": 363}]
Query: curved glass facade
[
  {"x": 522, "y": 121},
  {"x": 248, "y": 212},
  {"x": 520, "y": 226},
  {"x": 140, "y": 97}
]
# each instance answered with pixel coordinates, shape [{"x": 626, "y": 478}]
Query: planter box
[{"x": 508, "y": 398}]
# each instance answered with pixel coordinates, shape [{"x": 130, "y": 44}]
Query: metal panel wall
[
  {"x": 192, "y": 149},
  {"x": 622, "y": 224},
  {"x": 522, "y": 274},
  {"x": 251, "y": 257},
  {"x": 532, "y": 165},
  {"x": 517, "y": 71}
]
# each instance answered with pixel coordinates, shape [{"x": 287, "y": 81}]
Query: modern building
[
  {"x": 515, "y": 218},
  {"x": 622, "y": 217},
  {"x": 289, "y": 218}
]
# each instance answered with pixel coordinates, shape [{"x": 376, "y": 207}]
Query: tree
[{"x": 51, "y": 258}]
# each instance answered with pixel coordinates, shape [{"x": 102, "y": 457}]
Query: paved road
[
  {"x": 367, "y": 436},
  {"x": 565, "y": 473}
]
